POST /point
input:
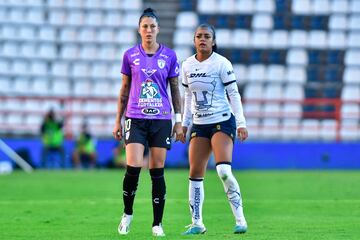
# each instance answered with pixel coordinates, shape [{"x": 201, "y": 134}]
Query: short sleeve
[
  {"x": 184, "y": 80},
  {"x": 126, "y": 69},
  {"x": 227, "y": 72},
  {"x": 174, "y": 67}
]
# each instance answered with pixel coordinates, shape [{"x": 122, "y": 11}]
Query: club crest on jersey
[
  {"x": 148, "y": 71},
  {"x": 161, "y": 63},
  {"x": 204, "y": 97}
]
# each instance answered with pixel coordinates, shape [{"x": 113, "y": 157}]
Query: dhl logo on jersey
[{"x": 196, "y": 75}]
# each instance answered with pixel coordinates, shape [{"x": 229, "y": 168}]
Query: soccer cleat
[
  {"x": 195, "y": 229},
  {"x": 158, "y": 231},
  {"x": 124, "y": 226},
  {"x": 240, "y": 227}
]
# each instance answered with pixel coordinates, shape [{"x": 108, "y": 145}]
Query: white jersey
[{"x": 206, "y": 84}]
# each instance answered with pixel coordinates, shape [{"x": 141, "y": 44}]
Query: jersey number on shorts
[{"x": 127, "y": 125}]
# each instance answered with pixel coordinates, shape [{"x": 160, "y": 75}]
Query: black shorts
[
  {"x": 152, "y": 133},
  {"x": 208, "y": 130}
]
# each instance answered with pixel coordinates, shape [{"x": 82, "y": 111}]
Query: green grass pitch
[{"x": 88, "y": 204}]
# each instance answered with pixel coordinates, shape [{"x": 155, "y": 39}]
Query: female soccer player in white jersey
[
  {"x": 209, "y": 80},
  {"x": 147, "y": 70}
]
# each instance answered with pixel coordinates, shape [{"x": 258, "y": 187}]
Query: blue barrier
[
  {"x": 249, "y": 155},
  {"x": 315, "y": 155}
]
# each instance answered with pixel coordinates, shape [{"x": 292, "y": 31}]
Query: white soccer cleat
[
  {"x": 158, "y": 231},
  {"x": 124, "y": 226}
]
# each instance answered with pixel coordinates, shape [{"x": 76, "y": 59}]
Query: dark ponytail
[
  {"x": 149, "y": 12},
  {"x": 214, "y": 48}
]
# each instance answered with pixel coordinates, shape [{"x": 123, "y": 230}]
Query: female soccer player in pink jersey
[{"x": 147, "y": 70}]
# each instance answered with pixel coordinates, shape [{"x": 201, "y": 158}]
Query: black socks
[
  {"x": 130, "y": 184},
  {"x": 158, "y": 194}
]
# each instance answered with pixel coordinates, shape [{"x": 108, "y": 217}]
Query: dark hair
[
  {"x": 149, "y": 12},
  {"x": 212, "y": 29}
]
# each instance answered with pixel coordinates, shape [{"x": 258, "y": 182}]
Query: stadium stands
[
  {"x": 286, "y": 53},
  {"x": 54, "y": 51}
]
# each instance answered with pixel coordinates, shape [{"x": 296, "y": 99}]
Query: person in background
[
  {"x": 210, "y": 83},
  {"x": 119, "y": 156},
  {"x": 148, "y": 68},
  {"x": 52, "y": 137},
  {"x": 84, "y": 154}
]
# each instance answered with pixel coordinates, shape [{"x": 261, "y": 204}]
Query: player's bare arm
[
  {"x": 121, "y": 106},
  {"x": 176, "y": 101},
  {"x": 175, "y": 94}
]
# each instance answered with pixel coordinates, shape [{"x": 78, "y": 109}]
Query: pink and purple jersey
[{"x": 149, "y": 80}]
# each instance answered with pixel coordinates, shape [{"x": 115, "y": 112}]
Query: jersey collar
[
  {"x": 208, "y": 59},
  {"x": 142, "y": 51}
]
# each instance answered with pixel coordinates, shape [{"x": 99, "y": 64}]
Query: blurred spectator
[
  {"x": 119, "y": 156},
  {"x": 52, "y": 137},
  {"x": 84, "y": 154}
]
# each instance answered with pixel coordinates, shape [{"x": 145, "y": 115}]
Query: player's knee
[
  {"x": 224, "y": 170},
  {"x": 156, "y": 172},
  {"x": 196, "y": 172},
  {"x": 158, "y": 183},
  {"x": 133, "y": 171}
]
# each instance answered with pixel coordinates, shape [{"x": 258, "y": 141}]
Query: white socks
[
  {"x": 232, "y": 191},
  {"x": 196, "y": 200}
]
